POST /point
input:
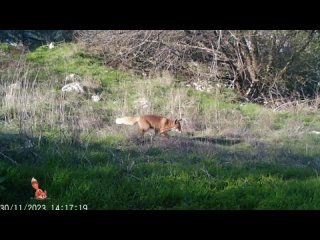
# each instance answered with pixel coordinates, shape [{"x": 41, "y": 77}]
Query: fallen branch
[
  {"x": 9, "y": 158},
  {"x": 293, "y": 103}
]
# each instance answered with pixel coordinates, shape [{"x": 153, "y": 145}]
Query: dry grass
[
  {"x": 35, "y": 106},
  {"x": 212, "y": 125}
]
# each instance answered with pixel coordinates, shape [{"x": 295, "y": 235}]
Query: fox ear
[{"x": 177, "y": 120}]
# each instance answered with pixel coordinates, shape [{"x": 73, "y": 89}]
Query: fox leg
[
  {"x": 165, "y": 134},
  {"x": 142, "y": 132}
]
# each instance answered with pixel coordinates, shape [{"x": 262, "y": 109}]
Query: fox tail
[
  {"x": 33, "y": 180},
  {"x": 127, "y": 120}
]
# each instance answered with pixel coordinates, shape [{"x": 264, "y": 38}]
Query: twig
[
  {"x": 206, "y": 172},
  {"x": 134, "y": 177},
  {"x": 293, "y": 103},
  {"x": 9, "y": 158}
]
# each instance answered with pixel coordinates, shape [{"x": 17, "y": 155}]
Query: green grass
[
  {"x": 5, "y": 47},
  {"x": 210, "y": 100},
  {"x": 69, "y": 58},
  {"x": 161, "y": 184},
  {"x": 250, "y": 110},
  {"x": 111, "y": 173},
  {"x": 310, "y": 119}
]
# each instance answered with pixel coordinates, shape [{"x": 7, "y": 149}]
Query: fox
[
  {"x": 39, "y": 194},
  {"x": 159, "y": 123}
]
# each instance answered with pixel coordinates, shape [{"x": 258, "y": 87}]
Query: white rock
[
  {"x": 72, "y": 77},
  {"x": 13, "y": 44},
  {"x": 51, "y": 45},
  {"x": 95, "y": 98},
  {"x": 73, "y": 87}
]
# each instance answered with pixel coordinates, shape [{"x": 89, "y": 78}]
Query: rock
[
  {"x": 51, "y": 45},
  {"x": 73, "y": 87},
  {"x": 72, "y": 77},
  {"x": 35, "y": 38},
  {"x": 315, "y": 132},
  {"x": 202, "y": 86},
  {"x": 95, "y": 98},
  {"x": 13, "y": 44}
]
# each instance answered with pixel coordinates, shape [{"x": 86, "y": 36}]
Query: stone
[{"x": 73, "y": 87}]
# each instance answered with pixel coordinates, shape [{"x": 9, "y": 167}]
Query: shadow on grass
[
  {"x": 66, "y": 170},
  {"x": 19, "y": 148},
  {"x": 221, "y": 141},
  {"x": 174, "y": 173},
  {"x": 14, "y": 147}
]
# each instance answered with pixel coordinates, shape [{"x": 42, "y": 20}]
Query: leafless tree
[{"x": 253, "y": 62}]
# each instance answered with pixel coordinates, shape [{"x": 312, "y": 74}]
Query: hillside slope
[{"x": 230, "y": 154}]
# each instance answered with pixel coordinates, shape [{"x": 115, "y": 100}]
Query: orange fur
[
  {"x": 39, "y": 194},
  {"x": 159, "y": 123}
]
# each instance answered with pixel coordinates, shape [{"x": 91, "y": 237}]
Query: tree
[{"x": 260, "y": 65}]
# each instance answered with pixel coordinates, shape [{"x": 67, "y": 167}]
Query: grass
[
  {"x": 231, "y": 155},
  {"x": 250, "y": 110},
  {"x": 70, "y": 58},
  {"x": 5, "y": 47},
  {"x": 158, "y": 180}
]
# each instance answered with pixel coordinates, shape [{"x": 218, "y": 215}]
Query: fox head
[{"x": 177, "y": 124}]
